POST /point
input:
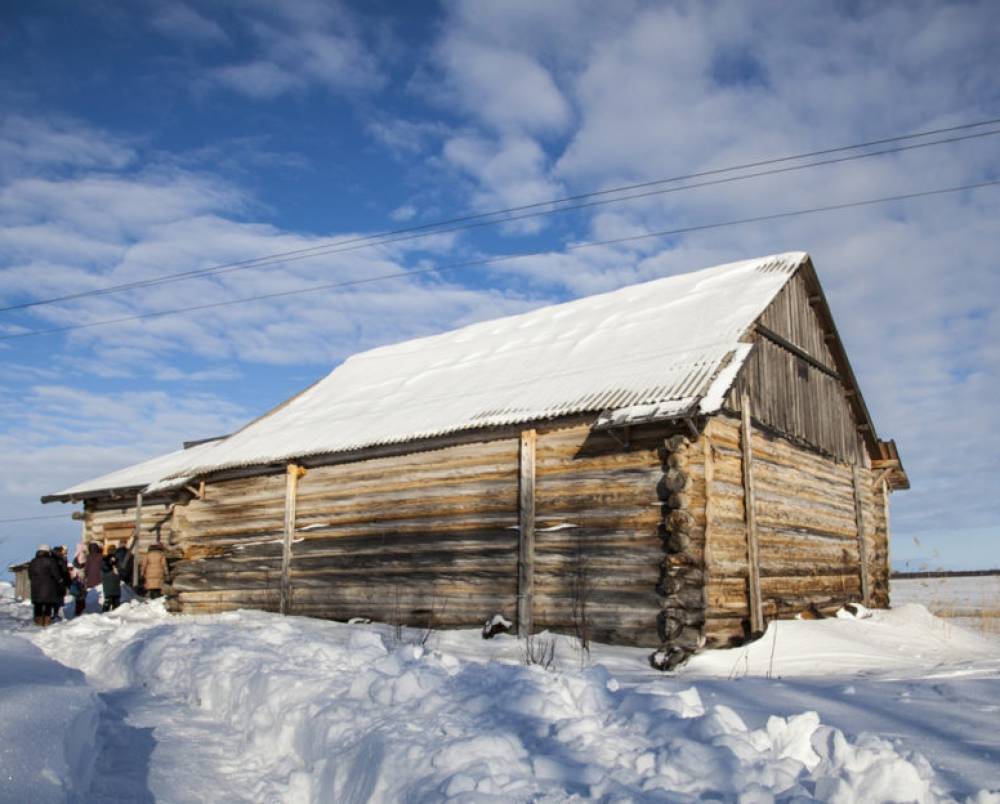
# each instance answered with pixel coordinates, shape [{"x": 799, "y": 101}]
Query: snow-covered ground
[
  {"x": 249, "y": 706},
  {"x": 972, "y": 601}
]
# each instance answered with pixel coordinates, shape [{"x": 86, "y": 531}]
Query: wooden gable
[{"x": 799, "y": 379}]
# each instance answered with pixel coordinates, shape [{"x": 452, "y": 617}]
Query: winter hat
[{"x": 43, "y": 548}]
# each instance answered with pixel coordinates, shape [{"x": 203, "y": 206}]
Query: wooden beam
[
  {"x": 292, "y": 474},
  {"x": 888, "y": 532},
  {"x": 753, "y": 550},
  {"x": 880, "y": 479},
  {"x": 709, "y": 514},
  {"x": 859, "y": 515},
  {"x": 800, "y": 353},
  {"x": 526, "y": 533},
  {"x": 135, "y": 542}
]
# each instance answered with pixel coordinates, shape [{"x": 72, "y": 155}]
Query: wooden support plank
[
  {"x": 135, "y": 542},
  {"x": 526, "y": 533},
  {"x": 786, "y": 344},
  {"x": 859, "y": 513},
  {"x": 753, "y": 550},
  {"x": 292, "y": 474},
  {"x": 888, "y": 532},
  {"x": 709, "y": 514}
]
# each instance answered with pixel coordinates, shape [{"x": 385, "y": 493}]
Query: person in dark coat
[
  {"x": 43, "y": 571},
  {"x": 92, "y": 568},
  {"x": 122, "y": 559},
  {"x": 111, "y": 582},
  {"x": 59, "y": 555}
]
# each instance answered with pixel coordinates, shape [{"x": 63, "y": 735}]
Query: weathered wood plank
[
  {"x": 753, "y": 557},
  {"x": 862, "y": 541},
  {"x": 526, "y": 533}
]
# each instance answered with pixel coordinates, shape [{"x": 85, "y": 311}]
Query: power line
[
  {"x": 32, "y": 518},
  {"x": 504, "y": 258},
  {"x": 492, "y": 218}
]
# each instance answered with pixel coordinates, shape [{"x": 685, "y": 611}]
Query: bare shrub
[
  {"x": 436, "y": 611},
  {"x": 580, "y": 589},
  {"x": 397, "y": 616},
  {"x": 541, "y": 652}
]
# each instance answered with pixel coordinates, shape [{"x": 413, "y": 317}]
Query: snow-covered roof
[
  {"x": 660, "y": 349},
  {"x": 137, "y": 476}
]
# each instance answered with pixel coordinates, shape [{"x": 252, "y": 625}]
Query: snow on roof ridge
[
  {"x": 591, "y": 354},
  {"x": 786, "y": 260}
]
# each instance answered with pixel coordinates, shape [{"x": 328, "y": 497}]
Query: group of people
[{"x": 53, "y": 577}]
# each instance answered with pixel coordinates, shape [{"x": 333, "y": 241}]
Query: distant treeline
[{"x": 945, "y": 574}]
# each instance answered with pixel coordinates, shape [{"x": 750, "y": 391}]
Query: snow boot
[
  {"x": 46, "y": 620},
  {"x": 38, "y": 621}
]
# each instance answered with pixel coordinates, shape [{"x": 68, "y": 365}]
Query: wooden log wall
[
  {"x": 423, "y": 538},
  {"x": 117, "y": 517},
  {"x": 806, "y": 525},
  {"x": 599, "y": 535},
  {"x": 225, "y": 549},
  {"x": 791, "y": 394},
  {"x": 427, "y": 538}
]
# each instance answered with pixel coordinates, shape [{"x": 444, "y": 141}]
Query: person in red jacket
[{"x": 92, "y": 568}]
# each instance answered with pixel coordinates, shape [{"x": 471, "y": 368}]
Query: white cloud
[
  {"x": 299, "y": 45},
  {"x": 31, "y": 144},
  {"x": 261, "y": 79},
  {"x": 507, "y": 173},
  {"x": 405, "y": 138},
  {"x": 181, "y": 22},
  {"x": 406, "y": 212},
  {"x": 505, "y": 89}
]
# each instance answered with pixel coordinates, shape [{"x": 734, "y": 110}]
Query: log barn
[
  {"x": 115, "y": 509},
  {"x": 668, "y": 465}
]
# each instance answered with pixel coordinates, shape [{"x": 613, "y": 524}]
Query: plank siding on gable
[{"x": 789, "y": 394}]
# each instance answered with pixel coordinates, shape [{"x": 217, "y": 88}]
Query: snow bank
[
  {"x": 906, "y": 641},
  {"x": 48, "y": 725},
  {"x": 326, "y": 711}
]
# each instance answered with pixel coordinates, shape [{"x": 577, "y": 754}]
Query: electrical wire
[
  {"x": 32, "y": 518},
  {"x": 502, "y": 258},
  {"x": 491, "y": 218}
]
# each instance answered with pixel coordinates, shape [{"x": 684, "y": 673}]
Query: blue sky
[{"x": 154, "y": 137}]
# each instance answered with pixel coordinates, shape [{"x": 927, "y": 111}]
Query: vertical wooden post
[
  {"x": 135, "y": 543},
  {"x": 859, "y": 515},
  {"x": 526, "y": 533},
  {"x": 292, "y": 474},
  {"x": 709, "y": 514},
  {"x": 749, "y": 505},
  {"x": 888, "y": 534}
]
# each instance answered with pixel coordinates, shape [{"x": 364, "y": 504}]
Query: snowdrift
[
  {"x": 323, "y": 711},
  {"x": 49, "y": 716}
]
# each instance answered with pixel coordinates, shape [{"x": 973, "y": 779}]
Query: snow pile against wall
[
  {"x": 660, "y": 343},
  {"x": 325, "y": 711}
]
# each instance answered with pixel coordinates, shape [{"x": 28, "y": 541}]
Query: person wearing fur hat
[
  {"x": 111, "y": 581},
  {"x": 46, "y": 580},
  {"x": 154, "y": 570}
]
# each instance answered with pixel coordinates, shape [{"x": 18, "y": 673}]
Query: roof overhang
[{"x": 890, "y": 467}]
